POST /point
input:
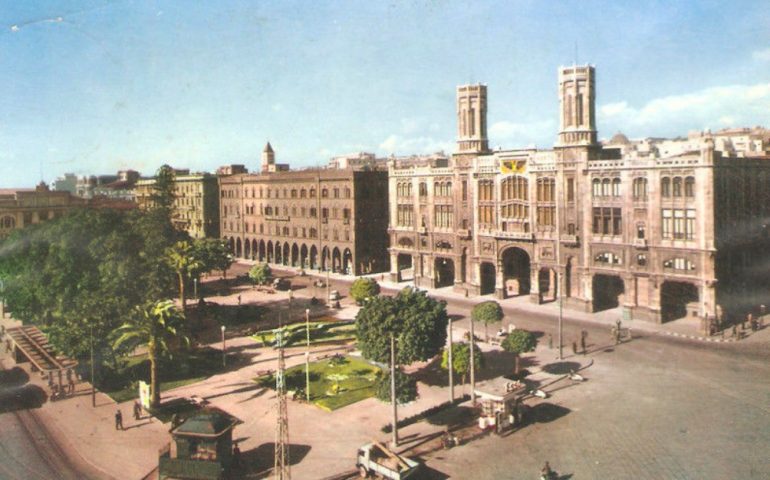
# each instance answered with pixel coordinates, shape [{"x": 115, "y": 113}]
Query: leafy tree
[
  {"x": 213, "y": 254},
  {"x": 260, "y": 273},
  {"x": 406, "y": 387},
  {"x": 418, "y": 322},
  {"x": 153, "y": 327},
  {"x": 162, "y": 196},
  {"x": 518, "y": 342},
  {"x": 461, "y": 359},
  {"x": 182, "y": 258},
  {"x": 363, "y": 288},
  {"x": 486, "y": 313}
]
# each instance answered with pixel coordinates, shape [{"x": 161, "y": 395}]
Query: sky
[{"x": 95, "y": 86}]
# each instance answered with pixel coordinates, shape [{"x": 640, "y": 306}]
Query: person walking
[
  {"x": 583, "y": 336},
  {"x": 70, "y": 382},
  {"x": 137, "y": 410},
  {"x": 118, "y": 420},
  {"x": 550, "y": 341},
  {"x": 546, "y": 473},
  {"x": 574, "y": 348}
]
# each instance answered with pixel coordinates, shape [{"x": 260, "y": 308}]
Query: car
[
  {"x": 334, "y": 295},
  {"x": 281, "y": 283}
]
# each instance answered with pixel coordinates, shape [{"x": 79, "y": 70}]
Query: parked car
[
  {"x": 281, "y": 283},
  {"x": 334, "y": 295}
]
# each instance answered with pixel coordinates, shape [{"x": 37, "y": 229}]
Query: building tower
[
  {"x": 268, "y": 159},
  {"x": 577, "y": 106},
  {"x": 472, "y": 119}
]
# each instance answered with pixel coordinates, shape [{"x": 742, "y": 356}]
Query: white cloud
[
  {"x": 401, "y": 145},
  {"x": 761, "y": 55},
  {"x": 513, "y": 134},
  {"x": 738, "y": 105}
]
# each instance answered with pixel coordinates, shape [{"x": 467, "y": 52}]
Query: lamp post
[
  {"x": 195, "y": 287},
  {"x": 450, "y": 365},
  {"x": 307, "y": 355},
  {"x": 93, "y": 385},
  {"x": 224, "y": 347},
  {"x": 558, "y": 286},
  {"x": 328, "y": 288}
]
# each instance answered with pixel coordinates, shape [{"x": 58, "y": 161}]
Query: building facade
[
  {"x": 325, "y": 219},
  {"x": 22, "y": 207},
  {"x": 660, "y": 235},
  {"x": 196, "y": 202}
]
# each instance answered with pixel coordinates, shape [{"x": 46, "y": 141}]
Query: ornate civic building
[
  {"x": 22, "y": 207},
  {"x": 318, "y": 218},
  {"x": 196, "y": 202},
  {"x": 661, "y": 229}
]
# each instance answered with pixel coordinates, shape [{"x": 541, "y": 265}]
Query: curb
[{"x": 699, "y": 338}]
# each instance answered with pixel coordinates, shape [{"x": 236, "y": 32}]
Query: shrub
[
  {"x": 363, "y": 288},
  {"x": 406, "y": 387}
]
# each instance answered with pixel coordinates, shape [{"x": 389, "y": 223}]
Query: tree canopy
[
  {"x": 87, "y": 270},
  {"x": 461, "y": 359},
  {"x": 488, "y": 312},
  {"x": 260, "y": 273},
  {"x": 520, "y": 341},
  {"x": 363, "y": 288},
  {"x": 406, "y": 387},
  {"x": 417, "y": 321}
]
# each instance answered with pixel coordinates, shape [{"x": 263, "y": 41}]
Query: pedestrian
[
  {"x": 70, "y": 382},
  {"x": 550, "y": 341},
  {"x": 118, "y": 420},
  {"x": 546, "y": 473},
  {"x": 735, "y": 331},
  {"x": 583, "y": 336},
  {"x": 7, "y": 345},
  {"x": 239, "y": 299},
  {"x": 236, "y": 456},
  {"x": 574, "y": 348},
  {"x": 137, "y": 410}
]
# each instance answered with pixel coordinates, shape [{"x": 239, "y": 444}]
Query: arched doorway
[
  {"x": 278, "y": 253},
  {"x": 347, "y": 262},
  {"x": 547, "y": 284},
  {"x": 270, "y": 252},
  {"x": 254, "y": 249},
  {"x": 488, "y": 278},
  {"x": 325, "y": 260},
  {"x": 231, "y": 245},
  {"x": 238, "y": 247},
  {"x": 404, "y": 265},
  {"x": 261, "y": 250},
  {"x": 607, "y": 291},
  {"x": 313, "y": 257},
  {"x": 286, "y": 253},
  {"x": 247, "y": 249},
  {"x": 515, "y": 263},
  {"x": 443, "y": 272},
  {"x": 295, "y": 255},
  {"x": 674, "y": 297},
  {"x": 303, "y": 256},
  {"x": 336, "y": 259}
]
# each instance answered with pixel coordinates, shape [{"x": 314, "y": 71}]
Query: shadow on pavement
[
  {"x": 561, "y": 368},
  {"x": 496, "y": 363},
  {"x": 25, "y": 397},
  {"x": 546, "y": 412},
  {"x": 14, "y": 377},
  {"x": 261, "y": 459},
  {"x": 429, "y": 473}
]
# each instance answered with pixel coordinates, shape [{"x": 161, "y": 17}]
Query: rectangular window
[
  {"x": 667, "y": 223},
  {"x": 690, "y": 224},
  {"x": 465, "y": 190},
  {"x": 570, "y": 189}
]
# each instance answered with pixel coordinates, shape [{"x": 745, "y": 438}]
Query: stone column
[
  {"x": 395, "y": 274},
  {"x": 500, "y": 292}
]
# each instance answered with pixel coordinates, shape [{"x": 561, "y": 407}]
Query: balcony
[
  {"x": 640, "y": 243},
  {"x": 570, "y": 239},
  {"x": 277, "y": 218},
  {"x": 464, "y": 233}
]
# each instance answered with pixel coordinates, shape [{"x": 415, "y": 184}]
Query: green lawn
[
  {"x": 355, "y": 381},
  {"x": 182, "y": 369},
  {"x": 323, "y": 331}
]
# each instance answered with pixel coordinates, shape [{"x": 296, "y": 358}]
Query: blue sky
[{"x": 95, "y": 86}]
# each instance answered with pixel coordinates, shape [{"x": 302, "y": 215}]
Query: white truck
[{"x": 376, "y": 460}]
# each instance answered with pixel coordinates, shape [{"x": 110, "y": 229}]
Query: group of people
[
  {"x": 59, "y": 390},
  {"x": 119, "y": 415}
]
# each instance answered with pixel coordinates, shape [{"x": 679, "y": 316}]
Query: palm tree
[
  {"x": 153, "y": 326},
  {"x": 181, "y": 258}
]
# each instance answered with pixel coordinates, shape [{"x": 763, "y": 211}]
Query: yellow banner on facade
[{"x": 513, "y": 166}]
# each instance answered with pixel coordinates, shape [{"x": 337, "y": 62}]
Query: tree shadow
[
  {"x": 14, "y": 377},
  {"x": 429, "y": 473},
  {"x": 545, "y": 413},
  {"x": 260, "y": 460},
  {"x": 561, "y": 368},
  {"x": 25, "y": 397},
  {"x": 457, "y": 415}
]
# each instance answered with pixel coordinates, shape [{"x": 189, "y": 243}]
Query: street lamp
[
  {"x": 195, "y": 287},
  {"x": 93, "y": 385},
  {"x": 224, "y": 347},
  {"x": 307, "y": 355}
]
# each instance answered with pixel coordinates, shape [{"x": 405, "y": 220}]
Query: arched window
[
  {"x": 640, "y": 188},
  {"x": 302, "y": 193},
  {"x": 665, "y": 187},
  {"x": 615, "y": 187},
  {"x": 312, "y": 193},
  {"x": 606, "y": 187},
  {"x": 689, "y": 187},
  {"x": 324, "y": 193},
  {"x": 8, "y": 223},
  {"x": 677, "y": 186},
  {"x": 423, "y": 189},
  {"x": 597, "y": 187}
]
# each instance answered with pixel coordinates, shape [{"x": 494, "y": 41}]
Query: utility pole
[
  {"x": 451, "y": 365},
  {"x": 393, "y": 388},
  {"x": 558, "y": 287},
  {"x": 307, "y": 355},
  {"x": 473, "y": 367},
  {"x": 281, "y": 463}
]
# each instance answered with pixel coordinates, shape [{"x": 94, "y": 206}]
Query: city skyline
[{"x": 94, "y": 87}]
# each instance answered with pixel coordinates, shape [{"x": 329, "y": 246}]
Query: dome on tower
[{"x": 619, "y": 139}]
